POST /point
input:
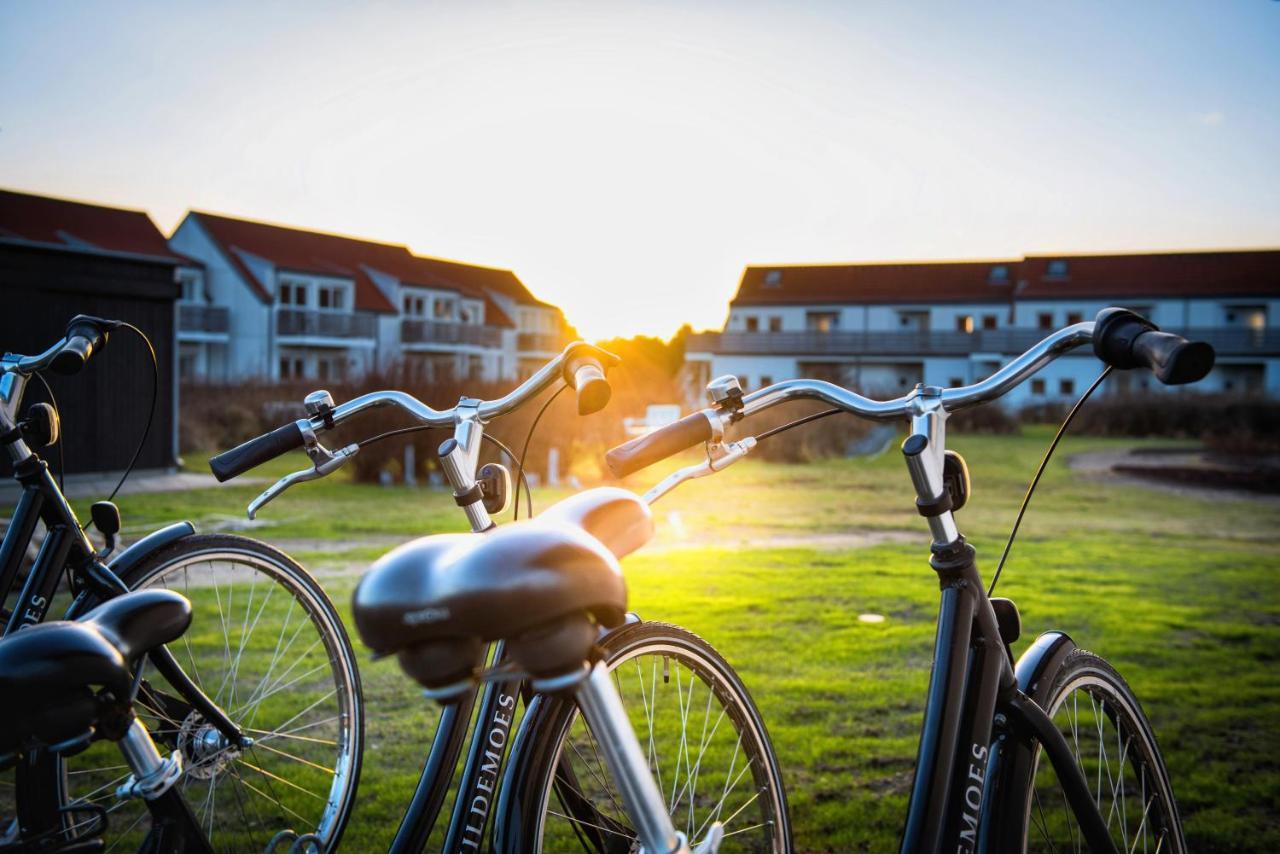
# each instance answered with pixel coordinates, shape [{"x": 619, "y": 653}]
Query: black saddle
[
  {"x": 435, "y": 601},
  {"x": 51, "y": 669}
]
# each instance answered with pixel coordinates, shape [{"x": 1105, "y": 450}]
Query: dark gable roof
[
  {"x": 965, "y": 281},
  {"x": 82, "y": 227},
  {"x": 305, "y": 251},
  {"x": 1163, "y": 274}
]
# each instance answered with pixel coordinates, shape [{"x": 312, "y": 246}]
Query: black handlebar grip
[
  {"x": 1173, "y": 359},
  {"x": 1125, "y": 340},
  {"x": 658, "y": 445},
  {"x": 592, "y": 387},
  {"x": 255, "y": 452},
  {"x": 71, "y": 358}
]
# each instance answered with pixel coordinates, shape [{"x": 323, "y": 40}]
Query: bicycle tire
[
  {"x": 753, "y": 822},
  {"x": 317, "y": 751},
  {"x": 1149, "y": 823}
]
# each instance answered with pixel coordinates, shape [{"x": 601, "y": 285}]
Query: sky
[{"x": 627, "y": 160}]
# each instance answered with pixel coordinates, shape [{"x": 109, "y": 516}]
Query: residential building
[
  {"x": 276, "y": 302},
  {"x": 882, "y": 328},
  {"x": 60, "y": 258}
]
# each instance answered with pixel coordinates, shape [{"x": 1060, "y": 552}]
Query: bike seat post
[{"x": 925, "y": 451}]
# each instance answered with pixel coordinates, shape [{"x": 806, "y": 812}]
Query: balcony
[
  {"x": 204, "y": 319},
  {"x": 300, "y": 323},
  {"x": 540, "y": 342},
  {"x": 414, "y": 331},
  {"x": 917, "y": 343}
]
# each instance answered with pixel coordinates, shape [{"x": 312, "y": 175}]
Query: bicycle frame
[{"x": 66, "y": 548}]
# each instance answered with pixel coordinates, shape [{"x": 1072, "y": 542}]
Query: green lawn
[{"x": 1178, "y": 593}]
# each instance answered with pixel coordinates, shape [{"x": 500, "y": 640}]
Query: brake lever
[
  {"x": 720, "y": 455},
  {"x": 324, "y": 462}
]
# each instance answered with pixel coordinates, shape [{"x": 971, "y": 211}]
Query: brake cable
[
  {"x": 155, "y": 396},
  {"x": 528, "y": 493},
  {"x": 1044, "y": 461},
  {"x": 418, "y": 428}
]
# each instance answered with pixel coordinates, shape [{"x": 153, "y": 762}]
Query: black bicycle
[
  {"x": 980, "y": 782},
  {"x": 261, "y": 698},
  {"x": 531, "y": 616}
]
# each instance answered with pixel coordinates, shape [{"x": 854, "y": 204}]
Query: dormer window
[
  {"x": 999, "y": 274},
  {"x": 773, "y": 279},
  {"x": 1057, "y": 269}
]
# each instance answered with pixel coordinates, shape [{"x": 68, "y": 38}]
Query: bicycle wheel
[
  {"x": 267, "y": 646},
  {"x": 706, "y": 744},
  {"x": 1116, "y": 749}
]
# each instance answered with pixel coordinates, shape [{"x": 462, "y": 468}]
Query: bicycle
[
  {"x": 487, "y": 675},
  {"x": 283, "y": 688},
  {"x": 980, "y": 783}
]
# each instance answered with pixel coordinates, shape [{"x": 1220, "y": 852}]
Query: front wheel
[
  {"x": 1116, "y": 750},
  {"x": 266, "y": 645},
  {"x": 706, "y": 745}
]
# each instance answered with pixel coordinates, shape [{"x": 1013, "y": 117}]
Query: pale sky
[{"x": 627, "y": 160}]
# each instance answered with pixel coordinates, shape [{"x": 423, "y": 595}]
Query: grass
[{"x": 1178, "y": 593}]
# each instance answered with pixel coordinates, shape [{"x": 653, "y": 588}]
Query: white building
[
  {"x": 881, "y": 328},
  {"x": 272, "y": 302}
]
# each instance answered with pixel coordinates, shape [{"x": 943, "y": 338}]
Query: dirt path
[{"x": 1100, "y": 465}]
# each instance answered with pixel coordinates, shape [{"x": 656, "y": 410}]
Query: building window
[
  {"x": 415, "y": 306},
  {"x": 331, "y": 297},
  {"x": 955, "y": 382},
  {"x": 775, "y": 324},
  {"x": 1074, "y": 317},
  {"x": 1037, "y": 386},
  {"x": 773, "y": 279},
  {"x": 964, "y": 323},
  {"x": 1044, "y": 320},
  {"x": 990, "y": 321},
  {"x": 191, "y": 290},
  {"x": 821, "y": 321},
  {"x": 765, "y": 381},
  {"x": 753, "y": 324},
  {"x": 999, "y": 274},
  {"x": 293, "y": 294},
  {"x": 1057, "y": 269},
  {"x": 443, "y": 309},
  {"x": 1066, "y": 387},
  {"x": 292, "y": 368}
]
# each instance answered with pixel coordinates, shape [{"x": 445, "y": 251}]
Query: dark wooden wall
[{"x": 104, "y": 407}]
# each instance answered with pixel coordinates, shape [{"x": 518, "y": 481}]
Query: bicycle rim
[
  {"x": 266, "y": 645},
  {"x": 705, "y": 745},
  {"x": 1116, "y": 751}
]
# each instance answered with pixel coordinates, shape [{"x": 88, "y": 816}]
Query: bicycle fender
[{"x": 149, "y": 545}]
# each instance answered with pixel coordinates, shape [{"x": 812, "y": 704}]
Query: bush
[
  {"x": 219, "y": 416},
  {"x": 832, "y": 436},
  {"x": 1229, "y": 423}
]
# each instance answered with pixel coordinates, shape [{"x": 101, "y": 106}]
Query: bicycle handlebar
[
  {"x": 582, "y": 366},
  {"x": 1117, "y": 340}
]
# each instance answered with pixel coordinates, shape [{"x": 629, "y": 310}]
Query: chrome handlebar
[
  {"x": 953, "y": 399},
  {"x": 920, "y": 406}
]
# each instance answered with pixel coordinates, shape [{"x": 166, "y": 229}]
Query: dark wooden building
[{"x": 60, "y": 258}]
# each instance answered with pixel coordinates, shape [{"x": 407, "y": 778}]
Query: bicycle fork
[{"x": 604, "y": 714}]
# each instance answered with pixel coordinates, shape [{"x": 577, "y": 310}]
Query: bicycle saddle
[
  {"x": 52, "y": 668},
  {"x": 436, "y": 600}
]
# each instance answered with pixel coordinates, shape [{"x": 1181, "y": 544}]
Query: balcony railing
[
  {"x": 542, "y": 342},
  {"x": 436, "y": 332},
  {"x": 1227, "y": 342},
  {"x": 204, "y": 318},
  {"x": 325, "y": 324}
]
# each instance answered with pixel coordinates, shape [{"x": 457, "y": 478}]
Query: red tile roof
[
  {"x": 305, "y": 251},
  {"x": 1167, "y": 274},
  {"x": 1163, "y": 274},
  {"x": 80, "y": 226},
  {"x": 966, "y": 281}
]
